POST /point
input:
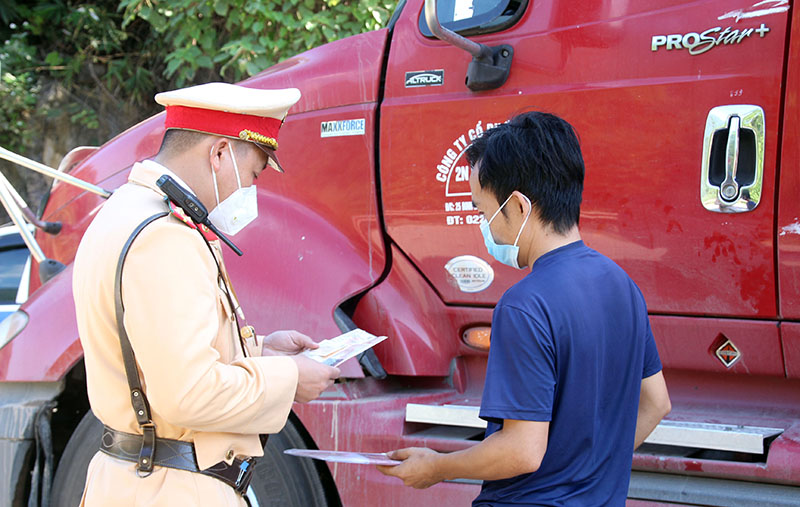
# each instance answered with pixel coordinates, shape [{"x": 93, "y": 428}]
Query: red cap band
[{"x": 221, "y": 122}]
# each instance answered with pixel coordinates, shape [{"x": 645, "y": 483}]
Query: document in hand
[
  {"x": 359, "y": 458},
  {"x": 335, "y": 351}
]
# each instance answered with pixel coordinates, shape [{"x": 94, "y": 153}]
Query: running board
[{"x": 721, "y": 437}]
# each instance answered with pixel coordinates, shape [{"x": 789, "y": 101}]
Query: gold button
[{"x": 229, "y": 455}]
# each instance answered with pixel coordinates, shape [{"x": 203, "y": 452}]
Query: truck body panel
[
  {"x": 374, "y": 218},
  {"x": 788, "y": 223}
]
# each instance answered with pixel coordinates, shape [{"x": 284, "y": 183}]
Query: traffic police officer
[{"x": 212, "y": 385}]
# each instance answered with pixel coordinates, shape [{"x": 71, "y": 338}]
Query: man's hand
[
  {"x": 312, "y": 378},
  {"x": 654, "y": 404},
  {"x": 286, "y": 343},
  {"x": 418, "y": 469}
]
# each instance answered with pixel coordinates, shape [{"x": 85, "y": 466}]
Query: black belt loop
[{"x": 144, "y": 466}]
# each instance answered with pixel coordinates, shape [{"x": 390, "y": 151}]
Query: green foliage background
[{"x": 112, "y": 56}]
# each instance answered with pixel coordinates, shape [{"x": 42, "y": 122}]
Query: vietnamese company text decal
[
  {"x": 338, "y": 128},
  {"x": 452, "y": 169},
  {"x": 420, "y": 78}
]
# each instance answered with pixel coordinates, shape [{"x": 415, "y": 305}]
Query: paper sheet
[
  {"x": 335, "y": 351},
  {"x": 359, "y": 458}
]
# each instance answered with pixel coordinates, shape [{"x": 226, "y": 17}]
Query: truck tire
[{"x": 280, "y": 480}]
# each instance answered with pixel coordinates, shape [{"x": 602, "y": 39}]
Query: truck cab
[{"x": 688, "y": 114}]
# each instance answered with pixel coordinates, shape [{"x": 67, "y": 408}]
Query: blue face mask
[{"x": 506, "y": 254}]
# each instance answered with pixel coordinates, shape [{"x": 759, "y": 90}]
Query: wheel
[
  {"x": 279, "y": 480},
  {"x": 71, "y": 472}
]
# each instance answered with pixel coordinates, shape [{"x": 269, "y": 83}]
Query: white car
[{"x": 15, "y": 267}]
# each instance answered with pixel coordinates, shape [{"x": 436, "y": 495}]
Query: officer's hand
[
  {"x": 287, "y": 342},
  {"x": 312, "y": 378}
]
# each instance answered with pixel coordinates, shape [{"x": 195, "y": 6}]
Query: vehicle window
[
  {"x": 12, "y": 263},
  {"x": 473, "y": 17}
]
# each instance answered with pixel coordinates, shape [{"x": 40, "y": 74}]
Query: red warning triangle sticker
[{"x": 728, "y": 354}]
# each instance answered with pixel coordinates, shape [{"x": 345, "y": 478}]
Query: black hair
[
  {"x": 539, "y": 155},
  {"x": 178, "y": 140}
]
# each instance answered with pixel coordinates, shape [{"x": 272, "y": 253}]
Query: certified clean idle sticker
[
  {"x": 339, "y": 128},
  {"x": 420, "y": 78},
  {"x": 472, "y": 274}
]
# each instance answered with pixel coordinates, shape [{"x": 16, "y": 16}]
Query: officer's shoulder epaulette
[{"x": 177, "y": 212}]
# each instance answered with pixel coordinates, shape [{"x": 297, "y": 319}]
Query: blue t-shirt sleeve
[
  {"x": 521, "y": 371},
  {"x": 652, "y": 363}
]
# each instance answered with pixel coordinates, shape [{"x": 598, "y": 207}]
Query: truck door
[{"x": 655, "y": 90}]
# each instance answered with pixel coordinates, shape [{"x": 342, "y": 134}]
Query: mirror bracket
[
  {"x": 488, "y": 73},
  {"x": 489, "y": 67}
]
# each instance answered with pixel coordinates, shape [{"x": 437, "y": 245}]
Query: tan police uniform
[{"x": 201, "y": 386}]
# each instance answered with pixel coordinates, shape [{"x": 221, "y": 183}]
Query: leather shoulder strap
[{"x": 138, "y": 399}]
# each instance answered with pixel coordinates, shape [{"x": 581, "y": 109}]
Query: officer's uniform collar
[{"x": 147, "y": 172}]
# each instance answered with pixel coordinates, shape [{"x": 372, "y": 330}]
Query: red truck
[{"x": 689, "y": 118}]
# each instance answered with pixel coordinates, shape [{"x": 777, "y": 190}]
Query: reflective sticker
[
  {"x": 728, "y": 353},
  {"x": 472, "y": 274},
  {"x": 339, "y": 128}
]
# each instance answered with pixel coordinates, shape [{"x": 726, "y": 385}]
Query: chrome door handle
[
  {"x": 732, "y": 170},
  {"x": 730, "y": 188}
]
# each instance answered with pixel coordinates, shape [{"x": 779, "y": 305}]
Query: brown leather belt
[{"x": 176, "y": 454}]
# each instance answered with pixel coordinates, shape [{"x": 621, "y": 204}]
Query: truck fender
[
  {"x": 298, "y": 267},
  {"x": 48, "y": 347}
]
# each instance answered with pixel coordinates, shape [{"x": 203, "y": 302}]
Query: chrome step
[{"x": 721, "y": 437}]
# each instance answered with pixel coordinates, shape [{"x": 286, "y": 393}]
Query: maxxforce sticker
[
  {"x": 699, "y": 43},
  {"x": 728, "y": 353},
  {"x": 339, "y": 128},
  {"x": 420, "y": 78},
  {"x": 472, "y": 274}
]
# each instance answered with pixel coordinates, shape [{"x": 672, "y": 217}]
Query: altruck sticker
[
  {"x": 728, "y": 353},
  {"x": 420, "y": 78},
  {"x": 472, "y": 274},
  {"x": 339, "y": 128}
]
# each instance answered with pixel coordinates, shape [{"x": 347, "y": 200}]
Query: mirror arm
[
  {"x": 477, "y": 50},
  {"x": 52, "y": 173}
]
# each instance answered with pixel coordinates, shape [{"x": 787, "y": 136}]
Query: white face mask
[{"x": 238, "y": 209}]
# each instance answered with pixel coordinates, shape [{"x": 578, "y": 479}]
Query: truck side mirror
[{"x": 489, "y": 67}]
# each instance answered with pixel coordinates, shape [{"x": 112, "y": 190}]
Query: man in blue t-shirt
[{"x": 573, "y": 381}]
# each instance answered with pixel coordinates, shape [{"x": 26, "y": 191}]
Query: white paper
[
  {"x": 358, "y": 458},
  {"x": 335, "y": 351}
]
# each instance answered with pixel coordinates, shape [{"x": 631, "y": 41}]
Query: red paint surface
[
  {"x": 689, "y": 343},
  {"x": 48, "y": 346},
  {"x": 640, "y": 115},
  {"x": 788, "y": 230},
  {"x": 790, "y": 338}
]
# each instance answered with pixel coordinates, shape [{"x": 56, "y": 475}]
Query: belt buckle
[{"x": 245, "y": 475}]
